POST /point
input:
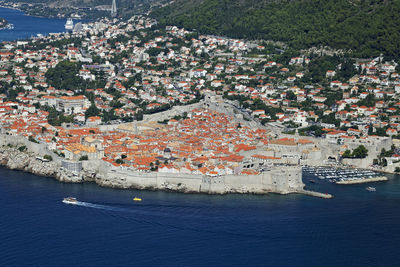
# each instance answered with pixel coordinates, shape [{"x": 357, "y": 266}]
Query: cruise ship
[{"x": 69, "y": 25}]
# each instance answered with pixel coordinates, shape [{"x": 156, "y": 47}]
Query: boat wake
[
  {"x": 141, "y": 219},
  {"x": 98, "y": 206},
  {"x": 131, "y": 208}
]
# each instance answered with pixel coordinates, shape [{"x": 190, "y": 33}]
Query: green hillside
[{"x": 367, "y": 27}]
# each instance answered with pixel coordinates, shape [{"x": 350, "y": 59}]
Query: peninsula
[{"x": 131, "y": 103}]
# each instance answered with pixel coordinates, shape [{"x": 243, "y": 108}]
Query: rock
[{"x": 12, "y": 158}]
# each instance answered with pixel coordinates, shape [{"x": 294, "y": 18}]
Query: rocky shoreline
[{"x": 14, "y": 157}]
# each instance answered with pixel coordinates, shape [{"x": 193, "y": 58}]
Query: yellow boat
[{"x": 137, "y": 199}]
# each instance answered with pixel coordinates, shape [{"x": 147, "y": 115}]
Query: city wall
[
  {"x": 278, "y": 179},
  {"x": 281, "y": 180}
]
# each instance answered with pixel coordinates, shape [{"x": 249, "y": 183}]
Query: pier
[
  {"x": 363, "y": 181},
  {"x": 315, "y": 194}
]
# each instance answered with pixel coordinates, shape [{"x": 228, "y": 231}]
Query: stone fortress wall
[{"x": 287, "y": 179}]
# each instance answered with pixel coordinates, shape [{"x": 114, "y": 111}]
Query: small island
[{"x": 3, "y": 23}]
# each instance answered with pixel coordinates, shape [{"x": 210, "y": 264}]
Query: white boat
[
  {"x": 70, "y": 200},
  {"x": 69, "y": 25},
  {"x": 371, "y": 189}
]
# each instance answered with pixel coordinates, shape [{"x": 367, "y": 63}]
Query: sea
[
  {"x": 107, "y": 228},
  {"x": 28, "y": 26}
]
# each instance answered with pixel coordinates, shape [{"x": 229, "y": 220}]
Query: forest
[{"x": 364, "y": 28}]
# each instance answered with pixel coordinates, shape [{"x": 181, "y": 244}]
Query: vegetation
[
  {"x": 360, "y": 152},
  {"x": 92, "y": 111},
  {"x": 381, "y": 160},
  {"x": 64, "y": 76},
  {"x": 367, "y": 27},
  {"x": 84, "y": 157},
  {"x": 48, "y": 157},
  {"x": 33, "y": 140},
  {"x": 311, "y": 130},
  {"x": 56, "y": 118}
]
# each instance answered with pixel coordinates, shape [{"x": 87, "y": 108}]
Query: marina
[{"x": 342, "y": 175}]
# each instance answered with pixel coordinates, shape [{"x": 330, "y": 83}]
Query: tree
[
  {"x": 347, "y": 70},
  {"x": 92, "y": 111},
  {"x": 65, "y": 76},
  {"x": 347, "y": 154},
  {"x": 290, "y": 95},
  {"x": 360, "y": 152}
]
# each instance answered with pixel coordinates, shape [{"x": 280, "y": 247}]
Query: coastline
[
  {"x": 35, "y": 16},
  {"x": 30, "y": 160}
]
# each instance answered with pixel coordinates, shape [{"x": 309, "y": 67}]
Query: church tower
[{"x": 114, "y": 9}]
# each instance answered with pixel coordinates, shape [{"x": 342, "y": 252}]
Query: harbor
[{"x": 342, "y": 175}]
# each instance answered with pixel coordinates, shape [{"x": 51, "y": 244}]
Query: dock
[
  {"x": 365, "y": 180},
  {"x": 315, "y": 194}
]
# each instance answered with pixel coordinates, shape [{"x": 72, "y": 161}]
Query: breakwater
[
  {"x": 363, "y": 181},
  {"x": 315, "y": 194}
]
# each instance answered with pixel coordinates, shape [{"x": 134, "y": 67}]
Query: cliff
[{"x": 13, "y": 159}]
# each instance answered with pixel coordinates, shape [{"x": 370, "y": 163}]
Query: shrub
[
  {"x": 84, "y": 157},
  {"x": 22, "y": 148},
  {"x": 48, "y": 157},
  {"x": 33, "y": 139}
]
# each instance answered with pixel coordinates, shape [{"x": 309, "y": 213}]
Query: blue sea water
[
  {"x": 356, "y": 228},
  {"x": 28, "y": 26}
]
